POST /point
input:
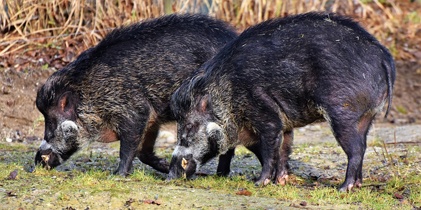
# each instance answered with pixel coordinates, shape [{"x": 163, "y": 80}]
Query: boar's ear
[
  {"x": 204, "y": 105},
  {"x": 66, "y": 102}
]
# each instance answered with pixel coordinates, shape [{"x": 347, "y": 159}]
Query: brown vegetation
[
  {"x": 36, "y": 35},
  {"x": 52, "y": 33}
]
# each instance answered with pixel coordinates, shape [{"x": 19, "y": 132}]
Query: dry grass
[{"x": 64, "y": 28}]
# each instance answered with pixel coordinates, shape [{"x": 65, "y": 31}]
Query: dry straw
[{"x": 27, "y": 23}]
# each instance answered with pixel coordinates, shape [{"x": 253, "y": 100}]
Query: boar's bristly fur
[
  {"x": 120, "y": 89},
  {"x": 281, "y": 74}
]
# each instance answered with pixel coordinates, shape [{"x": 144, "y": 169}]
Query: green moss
[
  {"x": 413, "y": 17},
  {"x": 401, "y": 110}
]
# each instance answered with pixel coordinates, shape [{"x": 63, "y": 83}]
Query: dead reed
[{"x": 65, "y": 28}]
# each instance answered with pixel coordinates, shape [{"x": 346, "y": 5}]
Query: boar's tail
[{"x": 390, "y": 76}]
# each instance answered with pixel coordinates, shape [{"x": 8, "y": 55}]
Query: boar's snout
[
  {"x": 69, "y": 129},
  {"x": 47, "y": 159},
  {"x": 182, "y": 166},
  {"x": 54, "y": 150}
]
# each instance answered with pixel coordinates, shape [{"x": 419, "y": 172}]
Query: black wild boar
[
  {"x": 121, "y": 88},
  {"x": 278, "y": 75}
]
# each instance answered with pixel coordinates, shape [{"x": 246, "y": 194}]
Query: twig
[
  {"x": 374, "y": 185},
  {"x": 404, "y": 142}
]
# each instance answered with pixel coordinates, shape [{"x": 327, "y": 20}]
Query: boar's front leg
[
  {"x": 128, "y": 146},
  {"x": 224, "y": 164},
  {"x": 268, "y": 126},
  {"x": 130, "y": 132},
  {"x": 268, "y": 152},
  {"x": 146, "y": 153}
]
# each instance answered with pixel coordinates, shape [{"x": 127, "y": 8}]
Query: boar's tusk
[
  {"x": 45, "y": 158},
  {"x": 184, "y": 163}
]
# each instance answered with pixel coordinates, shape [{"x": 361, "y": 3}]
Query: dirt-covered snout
[
  {"x": 60, "y": 146},
  {"x": 191, "y": 151},
  {"x": 182, "y": 164}
]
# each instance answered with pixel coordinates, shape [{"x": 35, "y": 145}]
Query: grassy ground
[{"x": 391, "y": 181}]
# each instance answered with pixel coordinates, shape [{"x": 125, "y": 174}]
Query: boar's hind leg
[
  {"x": 146, "y": 153},
  {"x": 352, "y": 135},
  {"x": 225, "y": 162},
  {"x": 255, "y": 148},
  {"x": 281, "y": 175}
]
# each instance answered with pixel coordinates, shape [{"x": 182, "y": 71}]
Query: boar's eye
[
  {"x": 189, "y": 126},
  {"x": 191, "y": 129},
  {"x": 187, "y": 133}
]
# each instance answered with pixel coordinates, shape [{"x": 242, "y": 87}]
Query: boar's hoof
[
  {"x": 358, "y": 183},
  {"x": 262, "y": 182},
  {"x": 349, "y": 187},
  {"x": 120, "y": 173},
  {"x": 282, "y": 180}
]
